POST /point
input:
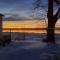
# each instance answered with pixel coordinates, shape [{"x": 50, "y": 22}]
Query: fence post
[{"x": 1, "y": 33}]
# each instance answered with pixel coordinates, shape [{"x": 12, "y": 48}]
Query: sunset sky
[
  {"x": 27, "y": 24},
  {"x": 19, "y": 8},
  {"x": 22, "y": 8}
]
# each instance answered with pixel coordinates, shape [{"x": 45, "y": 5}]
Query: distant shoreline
[
  {"x": 26, "y": 20},
  {"x": 28, "y": 28}
]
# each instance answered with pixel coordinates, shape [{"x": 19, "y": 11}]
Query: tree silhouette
[{"x": 52, "y": 19}]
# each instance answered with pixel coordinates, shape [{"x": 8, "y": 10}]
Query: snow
[
  {"x": 21, "y": 51},
  {"x": 28, "y": 50}
]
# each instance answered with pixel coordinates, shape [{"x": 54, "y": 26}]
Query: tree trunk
[
  {"x": 52, "y": 19},
  {"x": 50, "y": 32},
  {"x": 51, "y": 23}
]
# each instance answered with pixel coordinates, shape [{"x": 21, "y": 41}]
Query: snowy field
[
  {"x": 21, "y": 51},
  {"x": 29, "y": 50}
]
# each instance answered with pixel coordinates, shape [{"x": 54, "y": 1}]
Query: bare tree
[{"x": 52, "y": 19}]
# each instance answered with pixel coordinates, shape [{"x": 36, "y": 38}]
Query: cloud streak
[{"x": 22, "y": 8}]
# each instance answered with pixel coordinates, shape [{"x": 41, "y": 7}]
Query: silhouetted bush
[{"x": 7, "y": 39}]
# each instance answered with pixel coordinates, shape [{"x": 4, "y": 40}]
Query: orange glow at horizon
[{"x": 24, "y": 24}]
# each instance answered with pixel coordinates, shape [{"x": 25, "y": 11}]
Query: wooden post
[{"x": 1, "y": 35}]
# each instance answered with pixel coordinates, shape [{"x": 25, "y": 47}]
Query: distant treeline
[{"x": 28, "y": 28}]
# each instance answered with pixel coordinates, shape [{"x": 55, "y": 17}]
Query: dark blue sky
[{"x": 18, "y": 8}]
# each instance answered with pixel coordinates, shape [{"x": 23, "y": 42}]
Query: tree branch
[
  {"x": 57, "y": 1},
  {"x": 57, "y": 13}
]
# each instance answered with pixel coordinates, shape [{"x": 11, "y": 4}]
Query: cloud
[
  {"x": 21, "y": 8},
  {"x": 18, "y": 13},
  {"x": 13, "y": 7}
]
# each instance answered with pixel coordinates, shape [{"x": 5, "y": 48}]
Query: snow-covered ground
[
  {"x": 29, "y": 50},
  {"x": 32, "y": 48}
]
